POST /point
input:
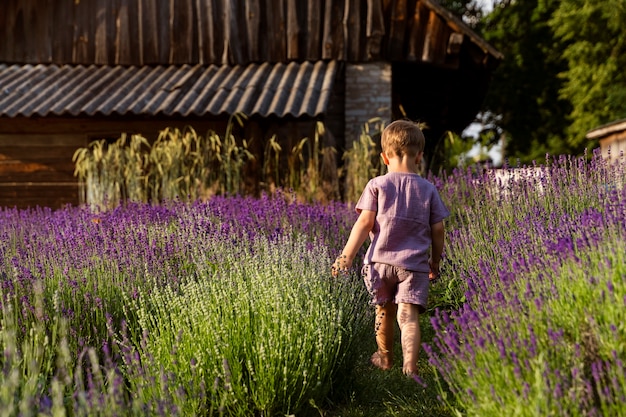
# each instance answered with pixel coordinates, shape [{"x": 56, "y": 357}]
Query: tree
[
  {"x": 524, "y": 93},
  {"x": 468, "y": 10},
  {"x": 594, "y": 81},
  {"x": 562, "y": 74}
]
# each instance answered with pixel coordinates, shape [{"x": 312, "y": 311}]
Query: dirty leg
[
  {"x": 384, "y": 324},
  {"x": 408, "y": 320}
]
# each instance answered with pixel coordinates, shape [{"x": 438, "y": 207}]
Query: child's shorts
[{"x": 389, "y": 283}]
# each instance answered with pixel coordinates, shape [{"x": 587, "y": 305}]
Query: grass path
[{"x": 376, "y": 393}]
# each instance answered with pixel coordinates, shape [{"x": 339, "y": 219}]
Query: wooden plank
[
  {"x": 56, "y": 203},
  {"x": 314, "y": 13},
  {"x": 36, "y": 30},
  {"x": 148, "y": 31},
  {"x": 46, "y": 189},
  {"x": 234, "y": 45},
  {"x": 252, "y": 26},
  {"x": 28, "y": 153},
  {"x": 327, "y": 30},
  {"x": 123, "y": 49},
  {"x": 293, "y": 30},
  {"x": 133, "y": 32},
  {"x": 397, "y": 29},
  {"x": 101, "y": 33},
  {"x": 95, "y": 128},
  {"x": 19, "y": 171},
  {"x": 16, "y": 33},
  {"x": 183, "y": 23},
  {"x": 164, "y": 25},
  {"x": 209, "y": 33},
  {"x": 28, "y": 140},
  {"x": 346, "y": 30},
  {"x": 49, "y": 194},
  {"x": 83, "y": 33},
  {"x": 434, "y": 44},
  {"x": 341, "y": 32},
  {"x": 375, "y": 29},
  {"x": 417, "y": 32},
  {"x": 61, "y": 40},
  {"x": 276, "y": 28},
  {"x": 352, "y": 32},
  {"x": 8, "y": 43},
  {"x": 453, "y": 48}
]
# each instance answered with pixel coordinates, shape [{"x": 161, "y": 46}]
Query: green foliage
[
  {"x": 468, "y": 10},
  {"x": 262, "y": 331},
  {"x": 362, "y": 160},
  {"x": 562, "y": 74},
  {"x": 545, "y": 290},
  {"x": 525, "y": 91},
  {"x": 595, "y": 50}
]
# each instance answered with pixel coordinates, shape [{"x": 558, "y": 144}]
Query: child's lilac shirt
[{"x": 406, "y": 205}]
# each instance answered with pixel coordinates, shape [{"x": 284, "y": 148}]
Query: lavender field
[
  {"x": 218, "y": 308},
  {"x": 227, "y": 307},
  {"x": 538, "y": 260}
]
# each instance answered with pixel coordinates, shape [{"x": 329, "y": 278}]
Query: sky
[{"x": 487, "y": 5}]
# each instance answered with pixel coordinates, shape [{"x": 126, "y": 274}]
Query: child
[{"x": 403, "y": 215}]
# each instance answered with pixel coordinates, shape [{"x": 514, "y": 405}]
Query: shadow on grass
[{"x": 370, "y": 392}]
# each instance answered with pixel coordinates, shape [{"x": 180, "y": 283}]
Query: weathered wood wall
[
  {"x": 139, "y": 32},
  {"x": 37, "y": 169}
]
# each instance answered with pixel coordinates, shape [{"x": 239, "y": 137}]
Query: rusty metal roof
[{"x": 293, "y": 89}]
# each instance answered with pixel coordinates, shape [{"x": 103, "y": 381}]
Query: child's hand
[
  {"x": 341, "y": 265},
  {"x": 434, "y": 270}
]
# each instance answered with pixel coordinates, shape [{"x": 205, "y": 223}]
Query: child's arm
[
  {"x": 437, "y": 236},
  {"x": 358, "y": 234}
]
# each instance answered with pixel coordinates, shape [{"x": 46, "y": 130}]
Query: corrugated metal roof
[{"x": 293, "y": 89}]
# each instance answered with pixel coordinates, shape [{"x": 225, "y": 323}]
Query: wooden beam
[
  {"x": 352, "y": 30},
  {"x": 252, "y": 26},
  {"x": 61, "y": 37},
  {"x": 375, "y": 29},
  {"x": 432, "y": 41},
  {"x": 397, "y": 29},
  {"x": 124, "y": 55},
  {"x": 181, "y": 41},
  {"x": 293, "y": 30},
  {"x": 276, "y": 28},
  {"x": 417, "y": 32},
  {"x": 314, "y": 11},
  {"x": 147, "y": 21}
]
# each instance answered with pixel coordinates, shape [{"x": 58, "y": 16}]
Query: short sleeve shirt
[{"x": 406, "y": 206}]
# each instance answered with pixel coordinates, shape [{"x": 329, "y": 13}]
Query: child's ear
[
  {"x": 385, "y": 158},
  {"x": 418, "y": 158}
]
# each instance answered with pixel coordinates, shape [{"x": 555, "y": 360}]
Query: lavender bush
[
  {"x": 216, "y": 308},
  {"x": 539, "y": 258}
]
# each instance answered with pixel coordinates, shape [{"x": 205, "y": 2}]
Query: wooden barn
[
  {"x": 612, "y": 138},
  {"x": 72, "y": 71}
]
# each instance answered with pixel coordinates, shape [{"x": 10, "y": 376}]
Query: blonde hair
[{"x": 402, "y": 137}]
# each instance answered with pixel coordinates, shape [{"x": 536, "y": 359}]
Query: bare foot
[{"x": 381, "y": 361}]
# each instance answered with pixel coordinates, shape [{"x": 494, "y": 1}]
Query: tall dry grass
[{"x": 183, "y": 165}]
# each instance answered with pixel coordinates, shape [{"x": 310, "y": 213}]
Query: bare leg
[
  {"x": 408, "y": 320},
  {"x": 384, "y": 324}
]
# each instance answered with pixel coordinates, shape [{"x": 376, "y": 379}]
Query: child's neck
[{"x": 403, "y": 165}]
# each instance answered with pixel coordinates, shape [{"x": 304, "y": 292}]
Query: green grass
[{"x": 377, "y": 393}]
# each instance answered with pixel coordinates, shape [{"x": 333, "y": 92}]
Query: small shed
[
  {"x": 75, "y": 71},
  {"x": 612, "y": 138}
]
